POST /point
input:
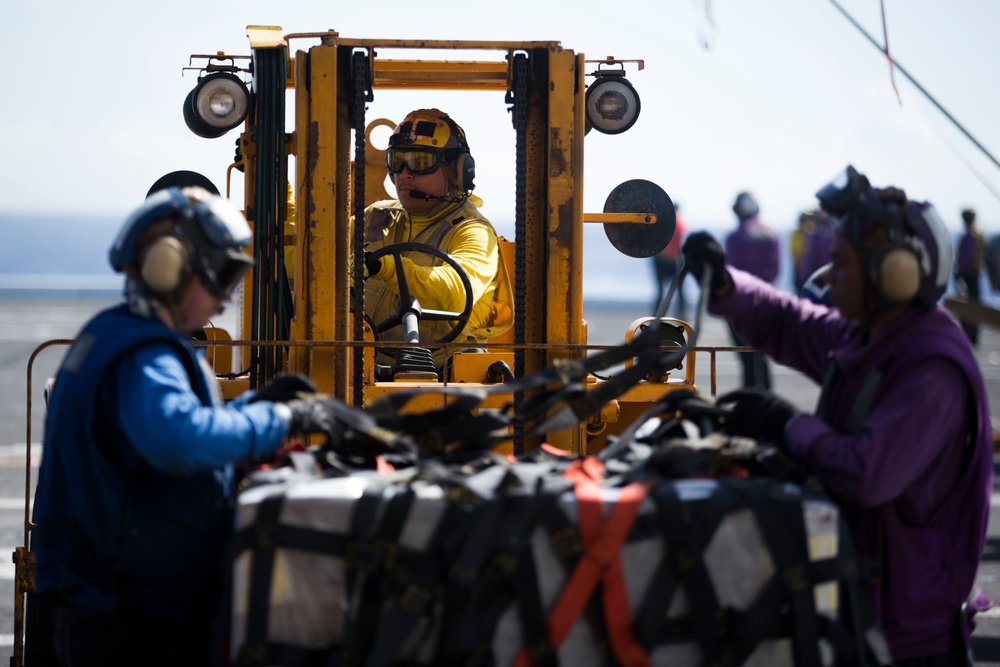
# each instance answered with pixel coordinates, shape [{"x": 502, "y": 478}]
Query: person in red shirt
[{"x": 667, "y": 264}]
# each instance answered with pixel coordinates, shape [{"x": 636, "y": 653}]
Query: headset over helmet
[
  {"x": 426, "y": 139},
  {"x": 178, "y": 233},
  {"x": 913, "y": 261}
]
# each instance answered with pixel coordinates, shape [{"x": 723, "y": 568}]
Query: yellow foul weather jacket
[{"x": 460, "y": 230}]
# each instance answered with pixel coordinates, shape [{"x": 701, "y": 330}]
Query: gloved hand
[
  {"x": 758, "y": 414},
  {"x": 701, "y": 251},
  {"x": 284, "y": 388},
  {"x": 372, "y": 265},
  {"x": 312, "y": 415}
]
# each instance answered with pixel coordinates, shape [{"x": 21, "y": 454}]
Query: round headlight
[
  {"x": 612, "y": 105},
  {"x": 217, "y": 104}
]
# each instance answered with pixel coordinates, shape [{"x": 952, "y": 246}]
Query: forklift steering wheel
[{"x": 408, "y": 304}]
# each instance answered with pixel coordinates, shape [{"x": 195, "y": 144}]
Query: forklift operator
[{"x": 429, "y": 163}]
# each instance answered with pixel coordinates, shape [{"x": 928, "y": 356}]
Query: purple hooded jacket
[{"x": 913, "y": 473}]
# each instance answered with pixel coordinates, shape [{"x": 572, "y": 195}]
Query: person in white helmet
[{"x": 133, "y": 505}]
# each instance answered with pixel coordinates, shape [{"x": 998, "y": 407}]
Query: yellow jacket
[{"x": 461, "y": 231}]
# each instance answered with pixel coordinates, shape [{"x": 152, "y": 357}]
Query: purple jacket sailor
[
  {"x": 901, "y": 438},
  {"x": 753, "y": 247}
]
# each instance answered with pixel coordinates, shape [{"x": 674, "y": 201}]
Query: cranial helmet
[
  {"x": 178, "y": 233},
  {"x": 427, "y": 138},
  {"x": 745, "y": 206},
  {"x": 915, "y": 261}
]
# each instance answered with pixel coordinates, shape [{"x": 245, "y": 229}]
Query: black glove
[
  {"x": 313, "y": 415},
  {"x": 701, "y": 251},
  {"x": 758, "y": 414},
  {"x": 284, "y": 388},
  {"x": 374, "y": 265}
]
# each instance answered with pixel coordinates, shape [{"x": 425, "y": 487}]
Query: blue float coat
[{"x": 132, "y": 509}]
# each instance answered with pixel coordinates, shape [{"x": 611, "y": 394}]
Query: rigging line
[
  {"x": 980, "y": 176},
  {"x": 915, "y": 83},
  {"x": 706, "y": 26},
  {"x": 892, "y": 66}
]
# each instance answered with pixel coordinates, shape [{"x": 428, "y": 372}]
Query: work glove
[
  {"x": 284, "y": 388},
  {"x": 350, "y": 270},
  {"x": 702, "y": 252},
  {"x": 372, "y": 265},
  {"x": 758, "y": 414},
  {"x": 313, "y": 415}
]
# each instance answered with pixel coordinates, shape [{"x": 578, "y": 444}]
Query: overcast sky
[{"x": 784, "y": 95}]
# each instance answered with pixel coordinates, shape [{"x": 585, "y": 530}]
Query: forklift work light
[
  {"x": 216, "y": 105},
  {"x": 612, "y": 103}
]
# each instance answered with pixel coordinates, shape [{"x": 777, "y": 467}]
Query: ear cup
[
  {"x": 465, "y": 172},
  {"x": 898, "y": 275},
  {"x": 165, "y": 265}
]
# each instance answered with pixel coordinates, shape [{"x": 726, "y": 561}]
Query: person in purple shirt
[
  {"x": 971, "y": 258},
  {"x": 901, "y": 437},
  {"x": 754, "y": 248}
]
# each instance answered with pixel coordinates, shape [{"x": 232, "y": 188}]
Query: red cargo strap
[
  {"x": 383, "y": 467},
  {"x": 587, "y": 469},
  {"x": 602, "y": 540}
]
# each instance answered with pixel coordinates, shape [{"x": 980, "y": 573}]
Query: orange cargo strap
[
  {"x": 383, "y": 467},
  {"x": 602, "y": 540}
]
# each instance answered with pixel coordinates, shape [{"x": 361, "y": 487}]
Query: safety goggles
[
  {"x": 848, "y": 200},
  {"x": 222, "y": 270},
  {"x": 419, "y": 161}
]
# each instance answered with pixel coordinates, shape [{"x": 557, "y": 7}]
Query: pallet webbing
[
  {"x": 509, "y": 577},
  {"x": 255, "y": 650},
  {"x": 780, "y": 518},
  {"x": 617, "y": 617},
  {"x": 685, "y": 535},
  {"x": 265, "y": 536},
  {"x": 727, "y": 635},
  {"x": 480, "y": 567},
  {"x": 600, "y": 564},
  {"x": 489, "y": 529},
  {"x": 374, "y": 560}
]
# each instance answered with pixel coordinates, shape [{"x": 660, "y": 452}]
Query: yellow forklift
[{"x": 304, "y": 187}]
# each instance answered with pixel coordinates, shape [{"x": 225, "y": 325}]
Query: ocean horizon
[{"x": 72, "y": 262}]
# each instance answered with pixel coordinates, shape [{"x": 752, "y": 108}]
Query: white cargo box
[{"x": 448, "y": 568}]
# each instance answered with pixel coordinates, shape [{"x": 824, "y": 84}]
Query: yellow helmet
[
  {"x": 429, "y": 128},
  {"x": 426, "y": 139}
]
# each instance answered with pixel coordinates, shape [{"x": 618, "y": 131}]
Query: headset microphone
[{"x": 420, "y": 194}]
